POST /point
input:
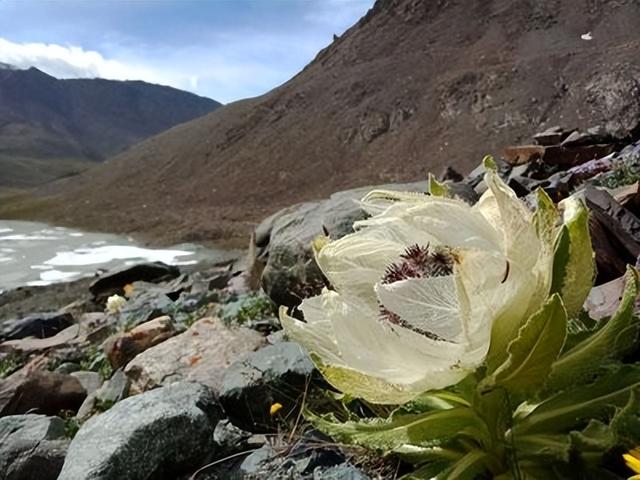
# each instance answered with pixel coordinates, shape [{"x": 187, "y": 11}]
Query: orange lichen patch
[
  {"x": 194, "y": 360},
  {"x": 128, "y": 290}
]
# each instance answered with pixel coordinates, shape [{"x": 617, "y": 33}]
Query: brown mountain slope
[
  {"x": 51, "y": 128},
  {"x": 414, "y": 86}
]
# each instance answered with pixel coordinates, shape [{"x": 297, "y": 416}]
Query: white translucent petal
[
  {"x": 354, "y": 263},
  {"x": 427, "y": 304},
  {"x": 500, "y": 206},
  {"x": 377, "y": 201},
  {"x": 438, "y": 221}
]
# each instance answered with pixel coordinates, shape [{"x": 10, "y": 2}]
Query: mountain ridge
[
  {"x": 53, "y": 127},
  {"x": 412, "y": 87}
]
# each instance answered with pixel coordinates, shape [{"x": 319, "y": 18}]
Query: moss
[
  {"x": 9, "y": 364},
  {"x": 248, "y": 308},
  {"x": 96, "y": 361},
  {"x": 623, "y": 173}
]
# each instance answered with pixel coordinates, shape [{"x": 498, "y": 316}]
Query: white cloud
[
  {"x": 224, "y": 64},
  {"x": 73, "y": 62}
]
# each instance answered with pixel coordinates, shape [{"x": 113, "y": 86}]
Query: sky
[{"x": 223, "y": 49}]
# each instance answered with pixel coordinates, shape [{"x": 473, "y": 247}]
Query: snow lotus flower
[{"x": 419, "y": 290}]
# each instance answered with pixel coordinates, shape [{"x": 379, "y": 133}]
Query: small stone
[
  {"x": 91, "y": 381},
  {"x": 111, "y": 392},
  {"x": 144, "y": 307},
  {"x": 68, "y": 367},
  {"x": 551, "y": 136}
]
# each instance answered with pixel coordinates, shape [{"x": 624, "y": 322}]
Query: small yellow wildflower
[
  {"x": 632, "y": 458},
  {"x": 276, "y": 407}
]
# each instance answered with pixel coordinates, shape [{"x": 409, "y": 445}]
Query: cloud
[
  {"x": 224, "y": 62},
  {"x": 73, "y": 62}
]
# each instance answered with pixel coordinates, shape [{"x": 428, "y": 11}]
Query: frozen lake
[{"x": 34, "y": 253}]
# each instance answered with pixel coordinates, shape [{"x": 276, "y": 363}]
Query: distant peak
[{"x": 6, "y": 66}]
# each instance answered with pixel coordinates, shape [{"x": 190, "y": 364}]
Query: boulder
[
  {"x": 41, "y": 391},
  {"x": 290, "y": 273},
  {"x": 31, "y": 446},
  {"x": 274, "y": 374},
  {"x": 200, "y": 354},
  {"x": 113, "y": 282},
  {"x": 39, "y": 325},
  {"x": 122, "y": 347},
  {"x": 158, "y": 434}
]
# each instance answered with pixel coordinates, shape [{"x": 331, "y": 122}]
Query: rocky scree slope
[
  {"x": 51, "y": 128},
  {"x": 413, "y": 86}
]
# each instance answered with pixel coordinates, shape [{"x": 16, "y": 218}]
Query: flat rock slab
[
  {"x": 41, "y": 391},
  {"x": 201, "y": 354},
  {"x": 114, "y": 281},
  {"x": 39, "y": 325},
  {"x": 31, "y": 446},
  {"x": 158, "y": 434}
]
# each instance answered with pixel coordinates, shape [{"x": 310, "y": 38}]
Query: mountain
[
  {"x": 51, "y": 128},
  {"x": 412, "y": 87}
]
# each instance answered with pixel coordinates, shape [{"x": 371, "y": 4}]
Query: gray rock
[
  {"x": 200, "y": 354},
  {"x": 306, "y": 461},
  {"x": 31, "y": 446},
  {"x": 68, "y": 367},
  {"x": 144, "y": 307},
  {"x": 91, "y": 381},
  {"x": 230, "y": 439},
  {"x": 274, "y": 374},
  {"x": 113, "y": 282},
  {"x": 343, "y": 471},
  {"x": 39, "y": 325},
  {"x": 158, "y": 434},
  {"x": 290, "y": 273}
]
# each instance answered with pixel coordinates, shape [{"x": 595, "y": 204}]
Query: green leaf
[
  {"x": 573, "y": 408},
  {"x": 546, "y": 217},
  {"x": 430, "y": 471},
  {"x": 626, "y": 423},
  {"x": 427, "y": 429},
  {"x": 533, "y": 351},
  {"x": 573, "y": 264},
  {"x": 543, "y": 447},
  {"x": 489, "y": 163},
  {"x": 612, "y": 341},
  {"x": 436, "y": 188},
  {"x": 470, "y": 467}
]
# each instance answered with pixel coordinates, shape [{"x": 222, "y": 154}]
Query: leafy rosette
[{"x": 425, "y": 291}]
